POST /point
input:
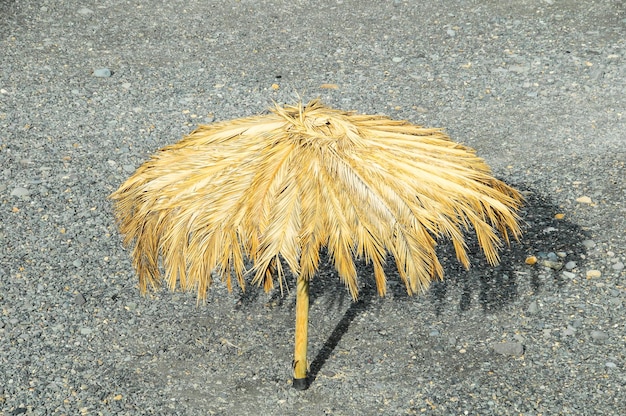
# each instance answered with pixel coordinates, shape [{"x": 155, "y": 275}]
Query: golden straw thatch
[{"x": 305, "y": 177}]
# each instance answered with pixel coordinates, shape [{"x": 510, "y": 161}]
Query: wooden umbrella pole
[{"x": 300, "y": 364}]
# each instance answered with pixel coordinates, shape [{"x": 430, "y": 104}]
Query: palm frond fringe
[{"x": 303, "y": 177}]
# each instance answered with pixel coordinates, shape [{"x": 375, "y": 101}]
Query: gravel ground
[{"x": 89, "y": 89}]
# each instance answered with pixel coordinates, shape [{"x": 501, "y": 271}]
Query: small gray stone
[
  {"x": 533, "y": 307},
  {"x": 611, "y": 365},
  {"x": 570, "y": 265},
  {"x": 569, "y": 331},
  {"x": 451, "y": 32},
  {"x": 589, "y": 244},
  {"x": 508, "y": 348},
  {"x": 397, "y": 59},
  {"x": 554, "y": 265},
  {"x": 618, "y": 266},
  {"x": 102, "y": 73},
  {"x": 568, "y": 275},
  {"x": 85, "y": 331},
  {"x": 79, "y": 299},
  {"x": 19, "y": 191},
  {"x": 599, "y": 335},
  {"x": 519, "y": 69},
  {"x": 77, "y": 263}
]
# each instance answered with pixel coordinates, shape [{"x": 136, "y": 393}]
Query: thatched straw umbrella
[{"x": 283, "y": 185}]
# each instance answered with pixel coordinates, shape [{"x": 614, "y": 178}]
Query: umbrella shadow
[
  {"x": 553, "y": 241},
  {"x": 367, "y": 293},
  {"x": 493, "y": 286}
]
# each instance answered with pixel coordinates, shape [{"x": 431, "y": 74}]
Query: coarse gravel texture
[{"x": 89, "y": 89}]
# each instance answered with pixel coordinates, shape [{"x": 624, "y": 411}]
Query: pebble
[
  {"x": 618, "y": 266},
  {"x": 533, "y": 307},
  {"x": 570, "y": 265},
  {"x": 568, "y": 275},
  {"x": 569, "y": 331},
  {"x": 531, "y": 260},
  {"x": 102, "y": 73},
  {"x": 19, "y": 191},
  {"x": 79, "y": 299},
  {"x": 397, "y": 59},
  {"x": 599, "y": 335},
  {"x": 589, "y": 244},
  {"x": 584, "y": 200},
  {"x": 508, "y": 348},
  {"x": 611, "y": 365},
  {"x": 85, "y": 331},
  {"x": 554, "y": 265},
  {"x": 519, "y": 69},
  {"x": 616, "y": 302},
  {"x": 593, "y": 274}
]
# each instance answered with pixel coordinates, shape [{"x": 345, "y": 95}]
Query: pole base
[{"x": 300, "y": 383}]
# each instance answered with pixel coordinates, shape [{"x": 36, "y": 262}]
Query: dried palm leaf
[{"x": 286, "y": 184}]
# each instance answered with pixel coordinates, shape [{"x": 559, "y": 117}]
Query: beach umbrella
[{"x": 248, "y": 196}]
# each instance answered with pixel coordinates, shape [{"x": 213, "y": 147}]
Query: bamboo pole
[{"x": 300, "y": 363}]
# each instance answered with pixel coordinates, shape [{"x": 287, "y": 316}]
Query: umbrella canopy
[{"x": 303, "y": 177}]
